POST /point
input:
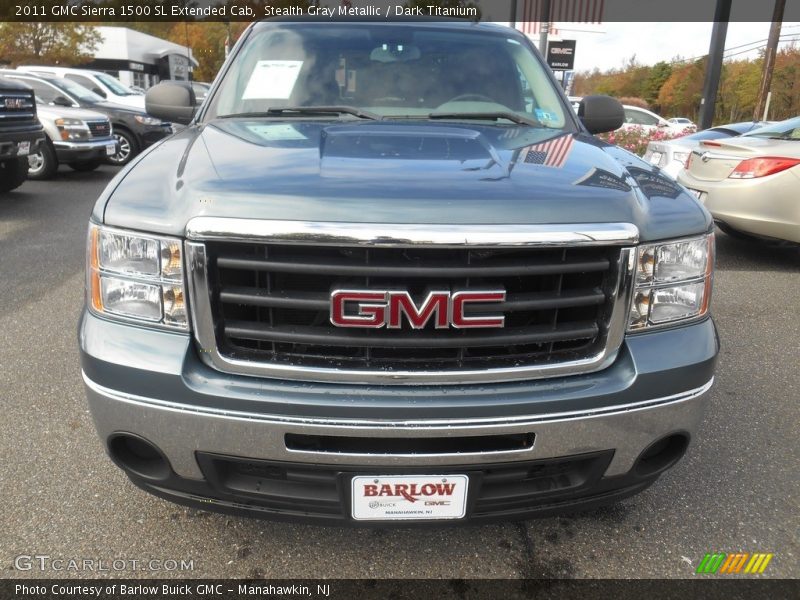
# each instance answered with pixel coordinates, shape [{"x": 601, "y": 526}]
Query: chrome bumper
[{"x": 180, "y": 430}]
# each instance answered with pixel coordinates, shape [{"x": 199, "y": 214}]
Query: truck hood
[
  {"x": 394, "y": 172},
  {"x": 58, "y": 112}
]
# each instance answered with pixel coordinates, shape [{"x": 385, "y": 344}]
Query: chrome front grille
[
  {"x": 17, "y": 107},
  {"x": 99, "y": 129},
  {"x": 262, "y": 307}
]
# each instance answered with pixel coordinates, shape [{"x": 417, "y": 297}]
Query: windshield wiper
[
  {"x": 489, "y": 116},
  {"x": 309, "y": 110}
]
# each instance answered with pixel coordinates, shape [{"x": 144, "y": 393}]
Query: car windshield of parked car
[
  {"x": 76, "y": 90},
  {"x": 710, "y": 134},
  {"x": 389, "y": 70},
  {"x": 115, "y": 86},
  {"x": 785, "y": 130}
]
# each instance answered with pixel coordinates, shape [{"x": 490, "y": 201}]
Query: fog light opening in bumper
[
  {"x": 662, "y": 454},
  {"x": 136, "y": 455}
]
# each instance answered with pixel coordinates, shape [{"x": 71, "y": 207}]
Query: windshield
[
  {"x": 75, "y": 89},
  {"x": 115, "y": 85},
  {"x": 786, "y": 130},
  {"x": 391, "y": 70},
  {"x": 710, "y": 134}
]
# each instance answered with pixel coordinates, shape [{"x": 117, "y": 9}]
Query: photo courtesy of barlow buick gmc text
[{"x": 373, "y": 299}]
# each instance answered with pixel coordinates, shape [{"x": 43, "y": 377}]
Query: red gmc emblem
[{"x": 374, "y": 309}]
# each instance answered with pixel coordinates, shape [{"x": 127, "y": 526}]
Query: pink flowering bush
[{"x": 636, "y": 137}]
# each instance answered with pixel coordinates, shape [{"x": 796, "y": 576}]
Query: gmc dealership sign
[{"x": 561, "y": 55}]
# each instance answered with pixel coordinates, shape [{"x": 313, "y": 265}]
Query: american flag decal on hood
[{"x": 552, "y": 153}]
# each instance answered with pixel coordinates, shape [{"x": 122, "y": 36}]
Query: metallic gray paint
[{"x": 224, "y": 170}]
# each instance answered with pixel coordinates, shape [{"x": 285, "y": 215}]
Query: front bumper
[
  {"x": 85, "y": 151},
  {"x": 151, "y": 134},
  {"x": 10, "y": 141},
  {"x": 215, "y": 430}
]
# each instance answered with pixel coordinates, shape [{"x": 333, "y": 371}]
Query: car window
[
  {"x": 711, "y": 134},
  {"x": 81, "y": 80},
  {"x": 638, "y": 117},
  {"x": 393, "y": 70},
  {"x": 43, "y": 90},
  {"x": 789, "y": 129},
  {"x": 114, "y": 85},
  {"x": 77, "y": 90}
]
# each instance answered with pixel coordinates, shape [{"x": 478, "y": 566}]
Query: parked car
[
  {"x": 649, "y": 121},
  {"x": 683, "y": 122},
  {"x": 104, "y": 85},
  {"x": 20, "y": 132},
  {"x": 369, "y": 284},
  {"x": 671, "y": 155},
  {"x": 750, "y": 183},
  {"x": 133, "y": 129},
  {"x": 78, "y": 137}
]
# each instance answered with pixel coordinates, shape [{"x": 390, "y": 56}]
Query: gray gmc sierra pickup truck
[{"x": 386, "y": 274}]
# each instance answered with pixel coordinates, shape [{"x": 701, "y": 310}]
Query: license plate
[
  {"x": 111, "y": 149},
  {"x": 409, "y": 497},
  {"x": 655, "y": 158},
  {"x": 23, "y": 149}
]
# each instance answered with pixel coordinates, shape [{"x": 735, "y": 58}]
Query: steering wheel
[{"x": 468, "y": 97}]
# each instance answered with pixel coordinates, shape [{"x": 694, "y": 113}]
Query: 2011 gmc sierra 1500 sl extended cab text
[{"x": 386, "y": 274}]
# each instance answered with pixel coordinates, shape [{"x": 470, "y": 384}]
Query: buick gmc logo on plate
[{"x": 374, "y": 309}]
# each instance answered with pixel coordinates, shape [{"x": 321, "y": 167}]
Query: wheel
[
  {"x": 44, "y": 163},
  {"x": 88, "y": 165},
  {"x": 128, "y": 147},
  {"x": 13, "y": 172}
]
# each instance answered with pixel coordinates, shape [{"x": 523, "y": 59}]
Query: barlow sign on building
[{"x": 561, "y": 55}]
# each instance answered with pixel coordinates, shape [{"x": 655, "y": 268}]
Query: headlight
[
  {"x": 136, "y": 277},
  {"x": 673, "y": 282},
  {"x": 145, "y": 120},
  {"x": 72, "y": 129}
]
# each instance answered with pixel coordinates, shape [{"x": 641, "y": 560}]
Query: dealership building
[{"x": 139, "y": 59}]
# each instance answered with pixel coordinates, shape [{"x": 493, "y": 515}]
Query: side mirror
[
  {"x": 99, "y": 92},
  {"x": 171, "y": 101},
  {"x": 663, "y": 124},
  {"x": 601, "y": 113},
  {"x": 62, "y": 101}
]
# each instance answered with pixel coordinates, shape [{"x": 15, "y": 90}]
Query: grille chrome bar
[
  {"x": 609, "y": 332},
  {"x": 316, "y": 301},
  {"x": 327, "y": 337},
  {"x": 437, "y": 271},
  {"x": 409, "y": 235}
]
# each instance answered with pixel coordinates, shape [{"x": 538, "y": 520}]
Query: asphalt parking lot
[{"x": 737, "y": 489}]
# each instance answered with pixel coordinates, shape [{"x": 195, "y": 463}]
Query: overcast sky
[{"x": 653, "y": 42}]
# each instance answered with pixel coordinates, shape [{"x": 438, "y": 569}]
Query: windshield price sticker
[{"x": 272, "y": 79}]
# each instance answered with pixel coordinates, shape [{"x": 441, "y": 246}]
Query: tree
[{"x": 47, "y": 43}]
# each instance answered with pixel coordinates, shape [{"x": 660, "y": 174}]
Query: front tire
[
  {"x": 42, "y": 164},
  {"x": 128, "y": 147},
  {"x": 13, "y": 173}
]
